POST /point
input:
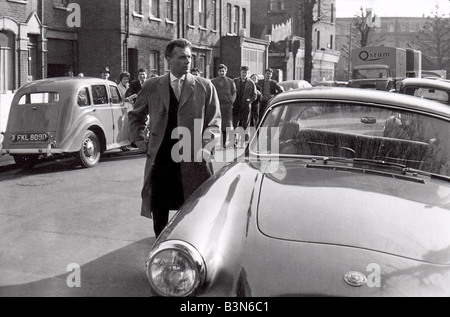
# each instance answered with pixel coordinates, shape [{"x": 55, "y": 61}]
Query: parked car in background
[
  {"x": 434, "y": 89},
  {"x": 338, "y": 194},
  {"x": 294, "y": 84},
  {"x": 69, "y": 116},
  {"x": 330, "y": 83}
]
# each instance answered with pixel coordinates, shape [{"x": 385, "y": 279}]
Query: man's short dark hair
[
  {"x": 269, "y": 70},
  {"x": 142, "y": 70},
  {"x": 182, "y": 43},
  {"x": 245, "y": 68},
  {"x": 222, "y": 66}
]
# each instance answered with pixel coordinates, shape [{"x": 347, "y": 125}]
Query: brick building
[
  {"x": 49, "y": 38},
  {"x": 284, "y": 22}
]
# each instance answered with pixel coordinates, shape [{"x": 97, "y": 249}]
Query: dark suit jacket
[
  {"x": 135, "y": 88},
  {"x": 275, "y": 89},
  {"x": 246, "y": 96},
  {"x": 198, "y": 111}
]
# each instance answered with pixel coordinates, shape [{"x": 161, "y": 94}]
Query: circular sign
[{"x": 364, "y": 55}]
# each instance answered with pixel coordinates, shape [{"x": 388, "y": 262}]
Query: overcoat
[{"x": 198, "y": 111}]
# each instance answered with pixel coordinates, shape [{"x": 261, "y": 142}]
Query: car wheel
[
  {"x": 89, "y": 154},
  {"x": 26, "y": 162}
]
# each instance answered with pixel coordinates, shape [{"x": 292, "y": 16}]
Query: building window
[
  {"x": 318, "y": 40},
  {"x": 276, "y": 5},
  {"x": 230, "y": 21},
  {"x": 190, "y": 12},
  {"x": 170, "y": 10},
  {"x": 154, "y": 63},
  {"x": 7, "y": 62},
  {"x": 244, "y": 18},
  {"x": 202, "y": 13},
  {"x": 201, "y": 63},
  {"x": 214, "y": 15},
  {"x": 330, "y": 46},
  {"x": 32, "y": 57},
  {"x": 237, "y": 13},
  {"x": 154, "y": 9},
  {"x": 138, "y": 6}
]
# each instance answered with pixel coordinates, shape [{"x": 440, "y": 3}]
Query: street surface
[{"x": 59, "y": 215}]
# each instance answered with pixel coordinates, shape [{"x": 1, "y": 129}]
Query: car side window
[
  {"x": 99, "y": 94},
  {"x": 115, "y": 95},
  {"x": 83, "y": 98}
]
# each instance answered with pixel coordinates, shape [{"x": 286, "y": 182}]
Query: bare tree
[
  {"x": 366, "y": 33},
  {"x": 361, "y": 34},
  {"x": 434, "y": 41}
]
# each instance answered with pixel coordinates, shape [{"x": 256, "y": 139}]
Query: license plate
[{"x": 30, "y": 137}]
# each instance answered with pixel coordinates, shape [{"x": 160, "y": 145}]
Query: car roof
[
  {"x": 62, "y": 84},
  {"x": 365, "y": 96},
  {"x": 427, "y": 82}
]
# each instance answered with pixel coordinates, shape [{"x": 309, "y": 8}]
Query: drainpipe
[{"x": 127, "y": 35}]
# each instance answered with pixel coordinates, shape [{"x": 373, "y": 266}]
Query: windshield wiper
[
  {"x": 417, "y": 172},
  {"x": 401, "y": 167},
  {"x": 366, "y": 161}
]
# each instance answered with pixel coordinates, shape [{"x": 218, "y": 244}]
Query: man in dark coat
[
  {"x": 269, "y": 88},
  {"x": 136, "y": 85},
  {"x": 246, "y": 94},
  {"x": 183, "y": 105}
]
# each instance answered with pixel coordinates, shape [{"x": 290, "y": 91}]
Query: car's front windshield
[
  {"x": 355, "y": 131},
  {"x": 370, "y": 73}
]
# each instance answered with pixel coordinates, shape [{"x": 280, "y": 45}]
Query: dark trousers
[
  {"x": 160, "y": 220},
  {"x": 262, "y": 109},
  {"x": 242, "y": 116}
]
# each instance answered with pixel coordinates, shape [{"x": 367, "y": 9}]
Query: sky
[{"x": 391, "y": 8}]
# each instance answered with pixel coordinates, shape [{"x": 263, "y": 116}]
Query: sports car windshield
[{"x": 354, "y": 131}]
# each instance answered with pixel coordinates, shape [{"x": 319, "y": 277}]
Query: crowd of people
[{"x": 243, "y": 100}]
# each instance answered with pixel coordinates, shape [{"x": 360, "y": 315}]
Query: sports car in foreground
[{"x": 340, "y": 193}]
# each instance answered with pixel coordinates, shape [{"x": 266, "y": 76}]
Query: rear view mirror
[{"x": 368, "y": 120}]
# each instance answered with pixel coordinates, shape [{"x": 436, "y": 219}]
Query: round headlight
[{"x": 175, "y": 268}]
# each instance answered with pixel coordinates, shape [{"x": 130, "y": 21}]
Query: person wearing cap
[
  {"x": 105, "y": 73},
  {"x": 226, "y": 90},
  {"x": 245, "y": 95}
]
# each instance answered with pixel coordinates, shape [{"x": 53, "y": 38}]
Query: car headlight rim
[{"x": 183, "y": 249}]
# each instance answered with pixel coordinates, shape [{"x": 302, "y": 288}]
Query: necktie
[{"x": 178, "y": 85}]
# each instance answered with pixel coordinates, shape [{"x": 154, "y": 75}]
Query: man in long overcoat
[{"x": 183, "y": 106}]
